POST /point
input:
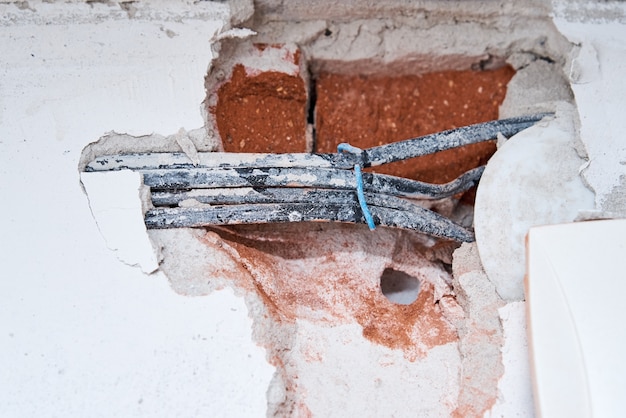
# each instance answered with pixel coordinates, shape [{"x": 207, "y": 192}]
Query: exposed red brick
[
  {"x": 371, "y": 111},
  {"x": 262, "y": 113},
  {"x": 261, "y": 106}
]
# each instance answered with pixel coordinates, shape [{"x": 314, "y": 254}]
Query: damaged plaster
[
  {"x": 409, "y": 38},
  {"x": 313, "y": 292},
  {"x": 316, "y": 350},
  {"x": 594, "y": 63},
  {"x": 117, "y": 206},
  {"x": 318, "y": 326}
]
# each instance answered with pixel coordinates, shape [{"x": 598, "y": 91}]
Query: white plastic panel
[{"x": 575, "y": 295}]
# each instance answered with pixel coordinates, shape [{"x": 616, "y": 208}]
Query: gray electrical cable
[{"x": 228, "y": 189}]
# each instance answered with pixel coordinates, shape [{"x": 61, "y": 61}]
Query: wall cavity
[{"x": 348, "y": 76}]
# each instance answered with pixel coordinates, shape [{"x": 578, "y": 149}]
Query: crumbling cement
[
  {"x": 536, "y": 87},
  {"x": 409, "y": 38},
  {"x": 480, "y": 334}
]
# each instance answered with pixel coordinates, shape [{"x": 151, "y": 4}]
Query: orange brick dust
[{"x": 330, "y": 274}]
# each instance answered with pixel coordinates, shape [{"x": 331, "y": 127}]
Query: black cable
[
  {"x": 328, "y": 178},
  {"x": 445, "y": 140},
  {"x": 418, "y": 219},
  {"x": 262, "y": 188},
  {"x": 382, "y": 154}
]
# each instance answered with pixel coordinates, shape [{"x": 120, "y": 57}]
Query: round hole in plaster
[{"x": 399, "y": 287}]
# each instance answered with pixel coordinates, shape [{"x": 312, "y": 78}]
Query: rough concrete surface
[
  {"x": 480, "y": 334},
  {"x": 409, "y": 37},
  {"x": 535, "y": 88}
]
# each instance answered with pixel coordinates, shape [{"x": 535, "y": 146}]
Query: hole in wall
[
  {"x": 399, "y": 287},
  {"x": 367, "y": 81},
  {"x": 268, "y": 97},
  {"x": 275, "y": 93}
]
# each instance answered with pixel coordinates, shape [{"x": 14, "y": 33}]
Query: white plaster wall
[
  {"x": 82, "y": 334},
  {"x": 596, "y": 71}
]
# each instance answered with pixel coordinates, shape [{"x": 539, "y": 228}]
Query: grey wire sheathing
[
  {"x": 229, "y": 189},
  {"x": 383, "y": 154},
  {"x": 419, "y": 219},
  {"x": 330, "y": 178},
  {"x": 445, "y": 140}
]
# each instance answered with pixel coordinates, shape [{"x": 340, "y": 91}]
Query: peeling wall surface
[
  {"x": 595, "y": 66},
  {"x": 105, "y": 319}
]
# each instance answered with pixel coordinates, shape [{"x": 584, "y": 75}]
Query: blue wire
[
  {"x": 348, "y": 148},
  {"x": 361, "y": 195},
  {"x": 359, "y": 184}
]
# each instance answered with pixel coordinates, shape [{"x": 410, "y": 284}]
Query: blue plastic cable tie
[{"x": 359, "y": 184}]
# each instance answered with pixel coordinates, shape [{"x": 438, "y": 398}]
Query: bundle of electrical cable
[{"x": 242, "y": 188}]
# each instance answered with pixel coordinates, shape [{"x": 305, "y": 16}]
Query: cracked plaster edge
[
  {"x": 577, "y": 21},
  {"x": 104, "y": 190},
  {"x": 111, "y": 194},
  {"x": 149, "y": 251},
  {"x": 117, "y": 201},
  {"x": 514, "y": 391},
  {"x": 121, "y": 143},
  {"x": 199, "y": 255}
]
